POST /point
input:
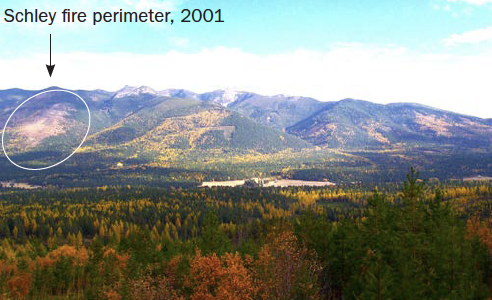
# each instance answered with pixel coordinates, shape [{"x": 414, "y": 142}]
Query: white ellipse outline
[{"x": 45, "y": 168}]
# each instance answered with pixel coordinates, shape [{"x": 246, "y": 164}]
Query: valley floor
[{"x": 302, "y": 242}]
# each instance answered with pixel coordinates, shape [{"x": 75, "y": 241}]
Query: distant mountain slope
[
  {"x": 179, "y": 93},
  {"x": 10, "y": 99},
  {"x": 192, "y": 124},
  {"x": 224, "y": 97},
  {"x": 50, "y": 121},
  {"x": 276, "y": 111},
  {"x": 141, "y": 117},
  {"x": 353, "y": 124}
]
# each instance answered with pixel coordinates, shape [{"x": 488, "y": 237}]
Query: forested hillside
[
  {"x": 248, "y": 121},
  {"x": 415, "y": 240}
]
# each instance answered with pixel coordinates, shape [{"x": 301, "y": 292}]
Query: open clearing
[
  {"x": 268, "y": 183},
  {"x": 477, "y": 178}
]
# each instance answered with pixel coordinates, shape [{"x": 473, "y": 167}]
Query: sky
[{"x": 433, "y": 52}]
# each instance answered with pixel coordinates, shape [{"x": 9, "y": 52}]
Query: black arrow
[{"x": 50, "y": 67}]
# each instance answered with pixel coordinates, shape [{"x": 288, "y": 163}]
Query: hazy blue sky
[
  {"x": 437, "y": 52},
  {"x": 260, "y": 27}
]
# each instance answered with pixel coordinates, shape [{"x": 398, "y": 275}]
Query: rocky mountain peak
[{"x": 133, "y": 91}]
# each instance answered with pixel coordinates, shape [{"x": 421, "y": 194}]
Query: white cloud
[
  {"x": 443, "y": 7},
  {"x": 470, "y": 37},
  {"x": 378, "y": 74},
  {"x": 474, "y": 2}
]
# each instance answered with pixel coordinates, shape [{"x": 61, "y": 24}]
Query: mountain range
[{"x": 143, "y": 119}]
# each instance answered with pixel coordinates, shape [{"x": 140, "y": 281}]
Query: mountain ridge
[{"x": 347, "y": 123}]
